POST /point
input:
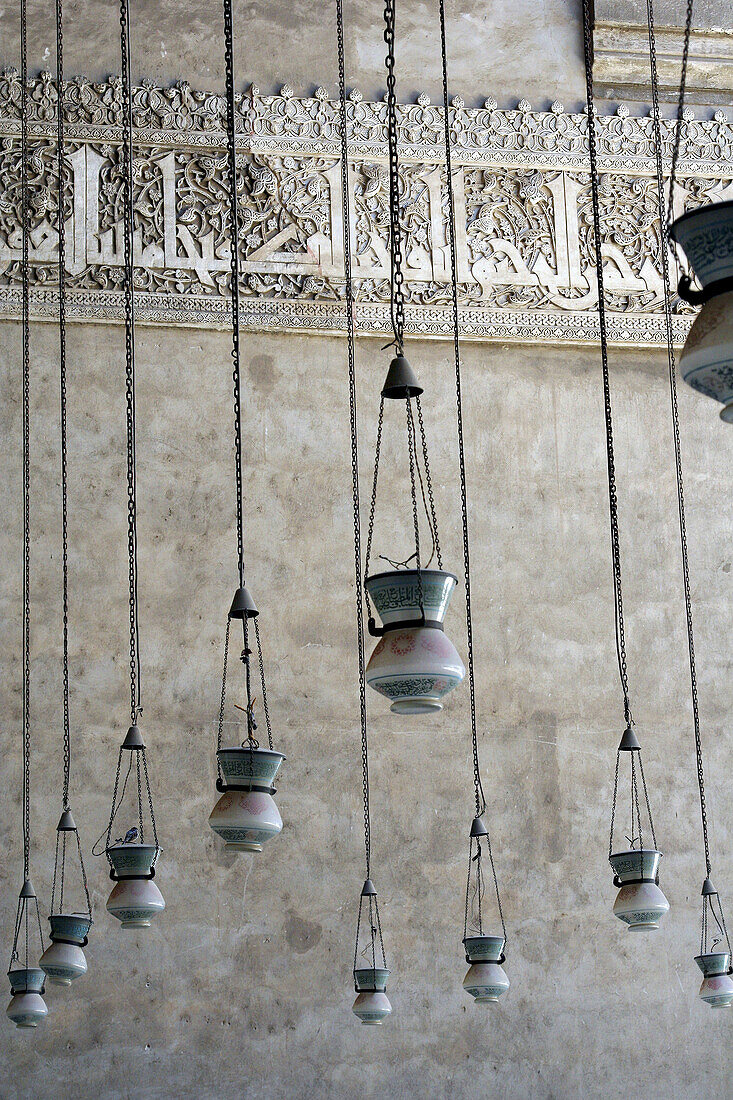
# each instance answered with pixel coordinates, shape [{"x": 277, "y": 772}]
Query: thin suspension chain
[
  {"x": 664, "y": 252},
  {"x": 397, "y": 294},
  {"x": 480, "y": 799},
  {"x": 234, "y": 273},
  {"x": 611, "y": 463},
  {"x": 26, "y": 441},
  {"x": 261, "y": 663},
  {"x": 680, "y": 110},
  {"x": 61, "y": 230},
  {"x": 478, "y": 790},
  {"x": 135, "y": 679},
  {"x": 355, "y": 494}
]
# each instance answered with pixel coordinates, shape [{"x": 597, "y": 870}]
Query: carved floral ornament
[{"x": 522, "y": 198}]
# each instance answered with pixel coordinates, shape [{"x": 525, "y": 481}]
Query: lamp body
[
  {"x": 372, "y": 1003},
  {"x": 486, "y": 978},
  {"x": 246, "y": 820},
  {"x": 706, "y": 363},
  {"x": 27, "y": 1007},
  {"x": 717, "y": 984},
  {"x": 414, "y": 667},
  {"x": 63, "y": 962},
  {"x": 135, "y": 899}
]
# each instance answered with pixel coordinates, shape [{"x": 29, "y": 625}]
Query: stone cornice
[{"x": 522, "y": 210}]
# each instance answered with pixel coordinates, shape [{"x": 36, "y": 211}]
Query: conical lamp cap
[
  {"x": 133, "y": 739},
  {"x": 478, "y": 827},
  {"x": 243, "y": 606},
  {"x": 629, "y": 741},
  {"x": 368, "y": 890},
  {"x": 708, "y": 888},
  {"x": 66, "y": 823},
  {"x": 27, "y": 891},
  {"x": 401, "y": 380}
]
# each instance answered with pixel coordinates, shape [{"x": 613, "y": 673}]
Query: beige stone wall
[{"x": 243, "y": 985}]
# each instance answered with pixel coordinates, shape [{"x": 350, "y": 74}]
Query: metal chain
[
  {"x": 397, "y": 294},
  {"x": 25, "y": 214},
  {"x": 234, "y": 273},
  {"x": 220, "y": 727},
  {"x": 430, "y": 504},
  {"x": 265, "y": 708},
  {"x": 611, "y": 464},
  {"x": 411, "y": 447},
  {"x": 478, "y": 789},
  {"x": 672, "y": 371},
  {"x": 61, "y": 230},
  {"x": 128, "y": 215},
  {"x": 150, "y": 804},
  {"x": 613, "y": 804},
  {"x": 353, "y": 423},
  {"x": 680, "y": 109},
  {"x": 480, "y": 799},
  {"x": 375, "y": 479}
]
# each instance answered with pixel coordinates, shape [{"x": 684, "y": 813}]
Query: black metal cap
[
  {"x": 133, "y": 739},
  {"x": 708, "y": 888},
  {"x": 629, "y": 741},
  {"x": 27, "y": 891},
  {"x": 66, "y": 823},
  {"x": 478, "y": 827},
  {"x": 243, "y": 606},
  {"x": 401, "y": 380},
  {"x": 368, "y": 890}
]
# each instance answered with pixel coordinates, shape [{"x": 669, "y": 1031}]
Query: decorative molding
[{"x": 523, "y": 212}]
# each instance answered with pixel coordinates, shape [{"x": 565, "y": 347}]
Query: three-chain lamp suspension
[
  {"x": 27, "y": 1007},
  {"x": 71, "y": 909},
  {"x": 640, "y": 903},
  {"x": 414, "y": 664},
  {"x": 714, "y": 959},
  {"x": 245, "y": 815},
  {"x": 133, "y": 853}
]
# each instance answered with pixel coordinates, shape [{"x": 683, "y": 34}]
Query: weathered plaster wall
[
  {"x": 242, "y": 987},
  {"x": 509, "y": 51}
]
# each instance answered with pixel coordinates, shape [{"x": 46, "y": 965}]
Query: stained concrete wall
[{"x": 242, "y": 988}]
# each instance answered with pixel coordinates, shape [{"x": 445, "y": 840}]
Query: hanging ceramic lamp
[
  {"x": 370, "y": 965},
  {"x": 133, "y": 853},
  {"x": 715, "y": 955},
  {"x": 640, "y": 903},
  {"x": 414, "y": 664},
  {"x": 63, "y": 960},
  {"x": 27, "y": 1007},
  {"x": 246, "y": 816},
  {"x": 706, "y": 362},
  {"x": 486, "y": 979}
]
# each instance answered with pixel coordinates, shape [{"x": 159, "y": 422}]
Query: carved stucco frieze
[{"x": 522, "y": 199}]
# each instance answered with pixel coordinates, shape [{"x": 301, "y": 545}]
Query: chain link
[
  {"x": 234, "y": 273},
  {"x": 353, "y": 424},
  {"x": 397, "y": 294},
  {"x": 672, "y": 371}
]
